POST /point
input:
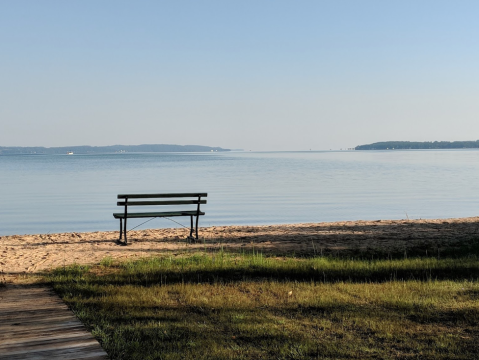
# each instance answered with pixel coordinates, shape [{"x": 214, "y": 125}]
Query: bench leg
[
  {"x": 191, "y": 228},
  {"x": 121, "y": 229},
  {"x": 197, "y": 218},
  {"x": 124, "y": 230}
]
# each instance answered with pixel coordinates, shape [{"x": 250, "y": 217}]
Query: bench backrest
[{"x": 126, "y": 199}]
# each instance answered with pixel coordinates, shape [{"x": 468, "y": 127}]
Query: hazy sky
[{"x": 259, "y": 75}]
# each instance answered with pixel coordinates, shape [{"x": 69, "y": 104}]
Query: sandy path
[{"x": 34, "y": 253}]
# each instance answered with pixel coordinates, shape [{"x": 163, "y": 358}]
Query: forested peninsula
[
  {"x": 16, "y": 150},
  {"x": 396, "y": 145}
]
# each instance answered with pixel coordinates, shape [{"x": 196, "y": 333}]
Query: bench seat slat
[
  {"x": 142, "y": 196},
  {"x": 157, "y": 214},
  {"x": 172, "y": 202}
]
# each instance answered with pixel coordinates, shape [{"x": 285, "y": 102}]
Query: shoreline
[{"x": 30, "y": 254}]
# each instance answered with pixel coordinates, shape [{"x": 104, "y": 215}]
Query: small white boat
[{"x": 70, "y": 153}]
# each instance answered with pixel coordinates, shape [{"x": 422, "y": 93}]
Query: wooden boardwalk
[{"x": 36, "y": 324}]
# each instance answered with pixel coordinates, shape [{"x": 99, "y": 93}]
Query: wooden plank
[
  {"x": 36, "y": 324},
  {"x": 33, "y": 329},
  {"x": 35, "y": 319},
  {"x": 157, "y": 214},
  {"x": 47, "y": 346},
  {"x": 151, "y": 203},
  {"x": 85, "y": 352},
  {"x": 143, "y": 196},
  {"x": 41, "y": 339}
]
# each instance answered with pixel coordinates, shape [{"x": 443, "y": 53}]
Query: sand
[{"x": 29, "y": 254}]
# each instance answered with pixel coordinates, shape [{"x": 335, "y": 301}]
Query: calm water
[{"x": 41, "y": 194}]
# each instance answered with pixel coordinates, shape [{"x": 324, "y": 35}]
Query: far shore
[{"x": 29, "y": 254}]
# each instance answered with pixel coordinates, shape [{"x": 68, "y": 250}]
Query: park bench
[{"x": 172, "y": 199}]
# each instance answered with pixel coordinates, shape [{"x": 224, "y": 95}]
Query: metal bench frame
[{"x": 191, "y": 213}]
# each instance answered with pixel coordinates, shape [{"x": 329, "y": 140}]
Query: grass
[{"x": 248, "y": 306}]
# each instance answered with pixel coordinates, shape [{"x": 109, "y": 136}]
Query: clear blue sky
[{"x": 260, "y": 75}]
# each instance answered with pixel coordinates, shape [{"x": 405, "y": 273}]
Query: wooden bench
[{"x": 195, "y": 199}]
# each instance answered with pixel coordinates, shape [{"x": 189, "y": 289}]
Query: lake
[{"x": 77, "y": 193}]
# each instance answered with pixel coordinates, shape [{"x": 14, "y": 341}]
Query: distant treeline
[
  {"x": 392, "y": 145},
  {"x": 107, "y": 149}
]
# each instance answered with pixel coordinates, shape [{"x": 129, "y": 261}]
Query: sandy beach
[{"x": 26, "y": 254}]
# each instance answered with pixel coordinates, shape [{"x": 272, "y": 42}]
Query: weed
[{"x": 106, "y": 261}]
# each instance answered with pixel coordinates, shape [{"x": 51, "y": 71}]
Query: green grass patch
[{"x": 231, "y": 306}]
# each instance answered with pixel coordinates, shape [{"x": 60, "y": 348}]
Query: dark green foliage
[
  {"x": 107, "y": 149},
  {"x": 390, "y": 145}
]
